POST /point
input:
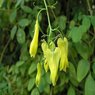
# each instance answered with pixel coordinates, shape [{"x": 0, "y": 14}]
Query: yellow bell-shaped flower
[
  {"x": 63, "y": 45},
  {"x": 52, "y": 61},
  {"x": 34, "y": 42},
  {"x": 38, "y": 76}
]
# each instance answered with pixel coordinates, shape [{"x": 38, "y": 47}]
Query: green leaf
[
  {"x": 24, "y": 54},
  {"x": 24, "y": 22},
  {"x": 93, "y": 67},
  {"x": 83, "y": 49},
  {"x": 82, "y": 69},
  {"x": 35, "y": 92},
  {"x": 71, "y": 91},
  {"x": 13, "y": 32},
  {"x": 32, "y": 68},
  {"x": 47, "y": 77},
  {"x": 13, "y": 16},
  {"x": 47, "y": 89},
  {"x": 76, "y": 34},
  {"x": 72, "y": 24},
  {"x": 18, "y": 2},
  {"x": 20, "y": 36},
  {"x": 72, "y": 70},
  {"x": 42, "y": 84},
  {"x": 86, "y": 23},
  {"x": 73, "y": 75},
  {"x": 60, "y": 22},
  {"x": 26, "y": 9},
  {"x": 1, "y": 3},
  {"x": 90, "y": 86},
  {"x": 19, "y": 63},
  {"x": 31, "y": 83},
  {"x": 10, "y": 90}
]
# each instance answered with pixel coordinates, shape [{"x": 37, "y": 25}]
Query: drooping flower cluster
[{"x": 55, "y": 58}]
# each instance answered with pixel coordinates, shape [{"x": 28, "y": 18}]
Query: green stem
[
  {"x": 40, "y": 12},
  {"x": 50, "y": 29},
  {"x": 2, "y": 54},
  {"x": 89, "y": 7},
  {"x": 51, "y": 90},
  {"x": 52, "y": 9}
]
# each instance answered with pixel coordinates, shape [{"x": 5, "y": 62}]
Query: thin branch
[
  {"x": 50, "y": 29},
  {"x": 2, "y": 54},
  {"x": 89, "y": 8}
]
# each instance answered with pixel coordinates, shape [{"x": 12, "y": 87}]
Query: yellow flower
[
  {"x": 44, "y": 48},
  {"x": 34, "y": 42},
  {"x": 52, "y": 61},
  {"x": 63, "y": 45},
  {"x": 38, "y": 76}
]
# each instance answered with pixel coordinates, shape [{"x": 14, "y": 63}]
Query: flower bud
[
  {"x": 38, "y": 76},
  {"x": 34, "y": 42}
]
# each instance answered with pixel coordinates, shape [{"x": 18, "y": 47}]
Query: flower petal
[{"x": 63, "y": 45}]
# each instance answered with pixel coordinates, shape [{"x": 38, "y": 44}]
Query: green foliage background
[{"x": 74, "y": 19}]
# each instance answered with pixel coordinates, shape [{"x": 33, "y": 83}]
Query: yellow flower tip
[
  {"x": 34, "y": 42},
  {"x": 54, "y": 76},
  {"x": 60, "y": 42},
  {"x": 63, "y": 63},
  {"x": 38, "y": 76},
  {"x": 52, "y": 45},
  {"x": 65, "y": 39},
  {"x": 44, "y": 46},
  {"x": 33, "y": 49}
]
